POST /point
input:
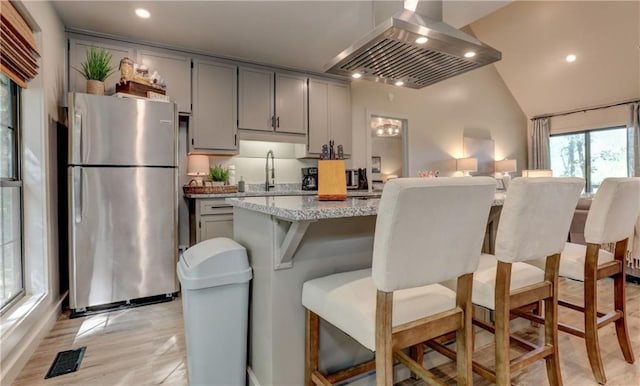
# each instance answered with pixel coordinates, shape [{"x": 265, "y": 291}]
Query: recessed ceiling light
[
  {"x": 469, "y": 54},
  {"x": 357, "y": 75},
  {"x": 143, "y": 13},
  {"x": 399, "y": 83},
  {"x": 422, "y": 40},
  {"x": 571, "y": 58}
]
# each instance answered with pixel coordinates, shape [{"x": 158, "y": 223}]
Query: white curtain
[{"x": 539, "y": 157}]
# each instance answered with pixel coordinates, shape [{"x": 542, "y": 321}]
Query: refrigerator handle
[
  {"x": 77, "y": 138},
  {"x": 77, "y": 194}
]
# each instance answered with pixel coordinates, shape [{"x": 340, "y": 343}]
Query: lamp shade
[
  {"x": 467, "y": 164},
  {"x": 198, "y": 165},
  {"x": 537, "y": 173},
  {"x": 506, "y": 166}
]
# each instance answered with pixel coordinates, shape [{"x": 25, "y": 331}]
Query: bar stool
[
  {"x": 611, "y": 218},
  {"x": 534, "y": 222},
  {"x": 427, "y": 230}
]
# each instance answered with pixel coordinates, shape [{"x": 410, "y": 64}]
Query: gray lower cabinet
[
  {"x": 209, "y": 218},
  {"x": 329, "y": 115},
  {"x": 78, "y": 54},
  {"x": 215, "y": 108},
  {"x": 175, "y": 70}
]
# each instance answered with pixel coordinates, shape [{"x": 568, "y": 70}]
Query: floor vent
[{"x": 66, "y": 362}]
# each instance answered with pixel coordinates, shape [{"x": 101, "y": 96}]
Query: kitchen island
[{"x": 291, "y": 240}]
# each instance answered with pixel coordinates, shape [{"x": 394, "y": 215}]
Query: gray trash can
[{"x": 214, "y": 276}]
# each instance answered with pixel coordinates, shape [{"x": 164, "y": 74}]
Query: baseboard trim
[{"x": 12, "y": 366}]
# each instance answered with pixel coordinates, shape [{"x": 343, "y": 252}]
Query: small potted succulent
[
  {"x": 96, "y": 69},
  {"x": 219, "y": 175}
]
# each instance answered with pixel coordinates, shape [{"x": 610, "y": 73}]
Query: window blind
[{"x": 18, "y": 51}]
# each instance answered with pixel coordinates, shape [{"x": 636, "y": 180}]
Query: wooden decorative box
[
  {"x": 196, "y": 189},
  {"x": 139, "y": 89}
]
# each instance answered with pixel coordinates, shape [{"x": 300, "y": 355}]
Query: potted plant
[
  {"x": 219, "y": 175},
  {"x": 96, "y": 69}
]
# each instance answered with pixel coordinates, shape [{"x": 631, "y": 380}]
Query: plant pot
[
  {"x": 218, "y": 183},
  {"x": 95, "y": 87}
]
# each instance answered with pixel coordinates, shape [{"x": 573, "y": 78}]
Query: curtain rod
[{"x": 584, "y": 110}]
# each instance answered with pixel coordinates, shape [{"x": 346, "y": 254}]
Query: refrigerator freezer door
[
  {"x": 106, "y": 130},
  {"x": 123, "y": 234}
]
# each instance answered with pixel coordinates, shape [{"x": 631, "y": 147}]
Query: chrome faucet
[{"x": 266, "y": 172}]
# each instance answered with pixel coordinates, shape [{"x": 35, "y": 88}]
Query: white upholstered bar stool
[
  {"x": 428, "y": 230},
  {"x": 534, "y": 223},
  {"x": 611, "y": 219}
]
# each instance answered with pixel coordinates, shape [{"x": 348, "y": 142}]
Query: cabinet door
[
  {"x": 340, "y": 115},
  {"x": 255, "y": 99},
  {"x": 215, "y": 106},
  {"x": 176, "y": 71},
  {"x": 78, "y": 54},
  {"x": 291, "y": 104},
  {"x": 318, "y": 115},
  {"x": 216, "y": 226}
]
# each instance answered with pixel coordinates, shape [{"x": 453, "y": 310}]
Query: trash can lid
[{"x": 214, "y": 262}]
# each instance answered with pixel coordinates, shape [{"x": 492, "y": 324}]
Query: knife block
[{"x": 332, "y": 183}]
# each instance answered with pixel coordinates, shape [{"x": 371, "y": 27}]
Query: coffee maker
[{"x": 309, "y": 178}]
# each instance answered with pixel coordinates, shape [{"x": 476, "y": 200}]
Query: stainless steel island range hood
[{"x": 413, "y": 49}]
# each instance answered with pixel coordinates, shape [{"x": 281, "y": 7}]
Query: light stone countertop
[{"x": 301, "y": 208}]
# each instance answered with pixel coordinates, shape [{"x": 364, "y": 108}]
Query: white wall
[
  {"x": 251, "y": 161},
  {"x": 26, "y": 324},
  {"x": 475, "y": 103}
]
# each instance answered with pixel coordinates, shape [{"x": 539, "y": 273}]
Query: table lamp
[
  {"x": 503, "y": 168},
  {"x": 466, "y": 165},
  {"x": 198, "y": 167}
]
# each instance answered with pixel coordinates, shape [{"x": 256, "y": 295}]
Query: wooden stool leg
[
  {"x": 416, "y": 352},
  {"x": 551, "y": 321},
  {"x": 619, "y": 297},
  {"x": 591, "y": 313},
  {"x": 464, "y": 336},
  {"x": 384, "y": 350},
  {"x": 502, "y": 307},
  {"x": 312, "y": 345}
]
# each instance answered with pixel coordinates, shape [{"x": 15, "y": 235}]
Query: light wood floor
[{"x": 145, "y": 346}]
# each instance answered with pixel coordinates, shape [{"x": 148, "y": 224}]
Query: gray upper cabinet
[
  {"x": 291, "y": 103},
  {"x": 78, "y": 55},
  {"x": 273, "y": 102},
  {"x": 255, "y": 88},
  {"x": 176, "y": 71},
  {"x": 215, "y": 108},
  {"x": 329, "y": 115}
]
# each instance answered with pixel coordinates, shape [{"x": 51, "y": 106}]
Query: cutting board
[{"x": 332, "y": 183}]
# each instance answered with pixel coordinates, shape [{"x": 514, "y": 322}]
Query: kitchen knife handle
[
  {"x": 77, "y": 194},
  {"x": 77, "y": 139}
]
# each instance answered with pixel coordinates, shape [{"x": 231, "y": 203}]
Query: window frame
[
  {"x": 16, "y": 182},
  {"x": 587, "y": 149}
]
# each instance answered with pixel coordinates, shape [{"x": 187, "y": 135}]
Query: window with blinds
[{"x": 19, "y": 54}]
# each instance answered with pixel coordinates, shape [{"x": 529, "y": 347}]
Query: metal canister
[{"x": 126, "y": 69}]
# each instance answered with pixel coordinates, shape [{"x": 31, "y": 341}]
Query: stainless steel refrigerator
[{"x": 122, "y": 199}]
